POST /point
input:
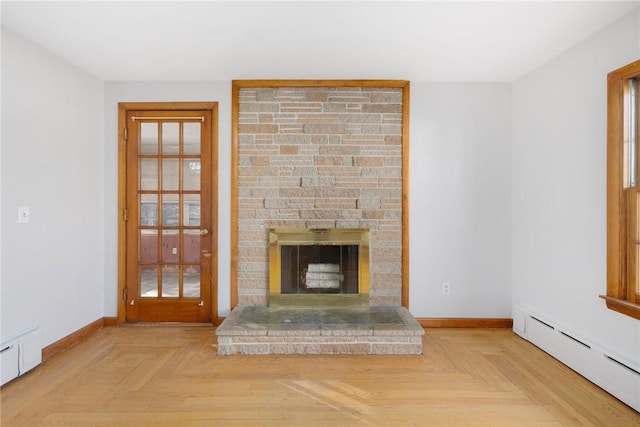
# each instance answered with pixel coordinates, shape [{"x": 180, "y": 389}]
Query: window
[{"x": 623, "y": 191}]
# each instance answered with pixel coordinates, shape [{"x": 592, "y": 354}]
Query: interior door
[{"x": 169, "y": 216}]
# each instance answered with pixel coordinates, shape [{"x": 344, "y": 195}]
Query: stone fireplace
[
  {"x": 320, "y": 157},
  {"x": 319, "y": 218},
  {"x": 318, "y": 267}
]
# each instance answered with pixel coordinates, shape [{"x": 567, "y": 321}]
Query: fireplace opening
[
  {"x": 319, "y": 269},
  {"x": 315, "y": 267}
]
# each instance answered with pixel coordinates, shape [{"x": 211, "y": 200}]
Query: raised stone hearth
[{"x": 367, "y": 330}]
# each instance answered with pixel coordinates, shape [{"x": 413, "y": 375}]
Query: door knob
[{"x": 204, "y": 232}]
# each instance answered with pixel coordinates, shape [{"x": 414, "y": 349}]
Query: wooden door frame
[{"x": 123, "y": 109}]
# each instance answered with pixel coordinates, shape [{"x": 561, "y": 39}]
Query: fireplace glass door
[{"x": 319, "y": 269}]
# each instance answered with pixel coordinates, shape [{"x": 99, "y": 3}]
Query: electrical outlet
[
  {"x": 446, "y": 288},
  {"x": 24, "y": 214}
]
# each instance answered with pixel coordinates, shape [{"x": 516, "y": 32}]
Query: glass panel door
[{"x": 169, "y": 258}]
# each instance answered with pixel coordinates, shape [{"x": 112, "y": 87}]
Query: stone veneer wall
[{"x": 320, "y": 157}]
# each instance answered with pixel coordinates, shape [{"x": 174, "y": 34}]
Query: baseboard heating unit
[
  {"x": 20, "y": 353},
  {"x": 604, "y": 368}
]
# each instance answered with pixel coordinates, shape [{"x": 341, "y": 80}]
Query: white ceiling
[{"x": 216, "y": 40}]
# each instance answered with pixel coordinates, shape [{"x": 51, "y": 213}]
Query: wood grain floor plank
[{"x": 171, "y": 376}]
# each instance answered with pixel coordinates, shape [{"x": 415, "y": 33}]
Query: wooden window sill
[{"x": 622, "y": 306}]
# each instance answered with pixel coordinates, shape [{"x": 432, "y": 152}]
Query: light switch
[{"x": 24, "y": 214}]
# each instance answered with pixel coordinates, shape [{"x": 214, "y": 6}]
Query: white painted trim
[
  {"x": 614, "y": 373},
  {"x": 23, "y": 353}
]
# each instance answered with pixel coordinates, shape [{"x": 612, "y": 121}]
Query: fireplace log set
[{"x": 323, "y": 276}]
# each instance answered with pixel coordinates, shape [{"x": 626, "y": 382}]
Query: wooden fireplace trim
[{"x": 237, "y": 85}]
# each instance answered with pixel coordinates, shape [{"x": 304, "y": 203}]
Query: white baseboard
[{"x": 604, "y": 368}]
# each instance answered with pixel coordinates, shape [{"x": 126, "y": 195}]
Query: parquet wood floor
[{"x": 171, "y": 376}]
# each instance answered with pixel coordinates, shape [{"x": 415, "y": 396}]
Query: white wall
[
  {"x": 559, "y": 188},
  {"x": 462, "y": 210},
  {"x": 116, "y": 92},
  {"x": 52, "y": 147},
  {"x": 460, "y": 199}
]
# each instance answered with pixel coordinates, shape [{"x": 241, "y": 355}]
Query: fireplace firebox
[{"x": 318, "y": 267}]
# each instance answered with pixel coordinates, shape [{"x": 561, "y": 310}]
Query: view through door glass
[{"x": 169, "y": 216}]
